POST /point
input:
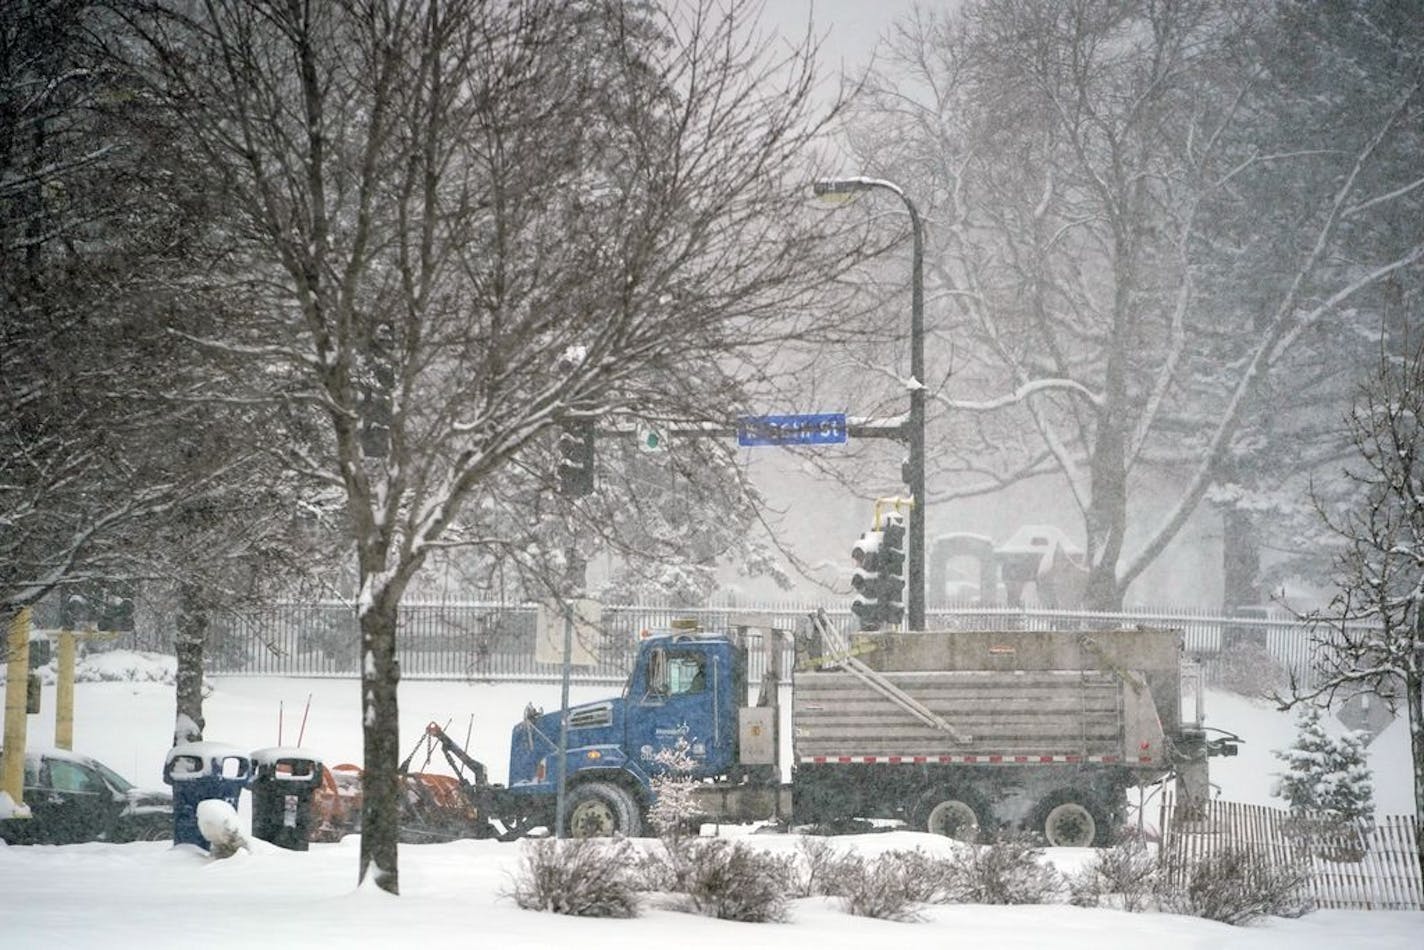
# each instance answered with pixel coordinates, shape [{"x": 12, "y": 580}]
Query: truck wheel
[
  {"x": 949, "y": 813},
  {"x": 1071, "y": 820},
  {"x": 601, "y": 809}
]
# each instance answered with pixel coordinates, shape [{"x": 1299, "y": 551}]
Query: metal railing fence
[{"x": 483, "y": 640}]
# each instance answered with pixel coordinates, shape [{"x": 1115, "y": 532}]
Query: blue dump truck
[{"x": 961, "y": 733}]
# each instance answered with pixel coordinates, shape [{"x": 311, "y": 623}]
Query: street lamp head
[
  {"x": 845, "y": 188},
  {"x": 823, "y": 187}
]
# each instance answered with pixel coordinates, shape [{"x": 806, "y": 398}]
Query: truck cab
[{"x": 683, "y": 686}]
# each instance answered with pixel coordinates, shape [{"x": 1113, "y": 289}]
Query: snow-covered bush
[
  {"x": 816, "y": 863},
  {"x": 726, "y": 880},
  {"x": 891, "y": 886},
  {"x": 1325, "y": 775},
  {"x": 922, "y": 875},
  {"x": 1010, "y": 871},
  {"x": 1236, "y": 886},
  {"x": 581, "y": 877},
  {"x": 1122, "y": 878},
  {"x": 662, "y": 865},
  {"x": 111, "y": 666},
  {"x": 820, "y": 869}
]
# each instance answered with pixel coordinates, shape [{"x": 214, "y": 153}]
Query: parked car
[{"x": 74, "y": 798}]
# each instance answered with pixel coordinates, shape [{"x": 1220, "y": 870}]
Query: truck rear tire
[
  {"x": 1071, "y": 819},
  {"x": 950, "y": 813},
  {"x": 602, "y": 809}
]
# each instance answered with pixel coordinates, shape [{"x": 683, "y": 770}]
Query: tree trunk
[
  {"x": 188, "y": 643},
  {"x": 380, "y": 805},
  {"x": 1414, "y": 703},
  {"x": 1240, "y": 561},
  {"x": 1107, "y": 517}
]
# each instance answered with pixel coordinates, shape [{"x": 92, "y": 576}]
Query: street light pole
[{"x": 915, "y": 476}]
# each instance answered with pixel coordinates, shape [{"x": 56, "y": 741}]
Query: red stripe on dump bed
[{"x": 968, "y": 759}]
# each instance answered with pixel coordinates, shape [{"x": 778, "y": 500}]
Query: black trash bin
[
  {"x": 283, "y": 782},
  {"x": 199, "y": 771}
]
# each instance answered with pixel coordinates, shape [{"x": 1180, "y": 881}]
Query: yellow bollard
[
  {"x": 64, "y": 692},
  {"x": 17, "y": 672}
]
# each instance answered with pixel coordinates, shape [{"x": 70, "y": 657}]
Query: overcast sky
[{"x": 850, "y": 27}]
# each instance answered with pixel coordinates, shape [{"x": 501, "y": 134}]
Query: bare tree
[
  {"x": 83, "y": 467},
  {"x": 1097, "y": 326},
  {"x": 461, "y": 225},
  {"x": 114, "y": 476},
  {"x": 1371, "y": 638}
]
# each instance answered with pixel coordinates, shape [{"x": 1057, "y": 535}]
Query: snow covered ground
[{"x": 152, "y": 895}]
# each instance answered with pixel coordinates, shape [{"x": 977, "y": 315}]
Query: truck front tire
[{"x": 600, "y": 810}]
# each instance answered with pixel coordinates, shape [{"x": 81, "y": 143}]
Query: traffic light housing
[
  {"x": 116, "y": 613},
  {"x": 74, "y": 610},
  {"x": 867, "y": 580},
  {"x": 879, "y": 578},
  {"x": 107, "y": 608},
  {"x": 892, "y": 568},
  {"x": 576, "y": 458}
]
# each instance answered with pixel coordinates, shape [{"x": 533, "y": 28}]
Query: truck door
[{"x": 679, "y": 701}]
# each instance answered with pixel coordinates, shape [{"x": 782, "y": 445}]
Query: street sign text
[{"x": 818, "y": 428}]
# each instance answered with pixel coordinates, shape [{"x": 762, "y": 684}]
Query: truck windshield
[
  {"x": 686, "y": 673},
  {"x": 673, "y": 673}
]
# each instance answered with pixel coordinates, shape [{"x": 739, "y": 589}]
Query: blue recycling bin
[
  {"x": 283, "y": 783},
  {"x": 199, "y": 771}
]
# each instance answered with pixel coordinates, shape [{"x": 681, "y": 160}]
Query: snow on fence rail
[
  {"x": 1348, "y": 866},
  {"x": 492, "y": 640}
]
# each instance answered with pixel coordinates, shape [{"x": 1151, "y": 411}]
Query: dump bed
[{"x": 992, "y": 698}]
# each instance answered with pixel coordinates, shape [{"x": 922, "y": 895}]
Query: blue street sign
[{"x": 817, "y": 428}]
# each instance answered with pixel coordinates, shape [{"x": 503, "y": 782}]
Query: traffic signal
[
  {"x": 74, "y": 610},
  {"x": 866, "y": 580},
  {"x": 116, "y": 613},
  {"x": 576, "y": 458},
  {"x": 106, "y": 608},
  {"x": 892, "y": 568}
]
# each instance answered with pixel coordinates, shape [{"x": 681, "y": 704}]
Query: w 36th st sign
[{"x": 819, "y": 428}]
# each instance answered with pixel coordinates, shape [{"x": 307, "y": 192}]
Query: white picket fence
[{"x": 1350, "y": 867}]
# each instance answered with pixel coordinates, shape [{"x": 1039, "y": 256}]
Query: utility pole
[
  {"x": 914, "y": 471},
  {"x": 17, "y": 653}
]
